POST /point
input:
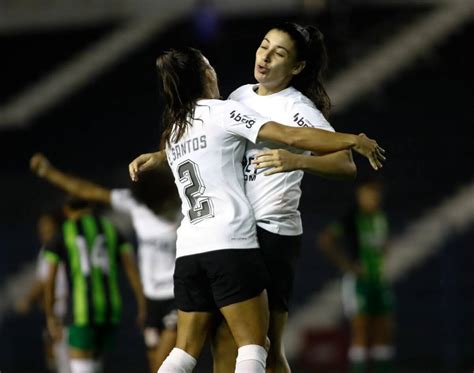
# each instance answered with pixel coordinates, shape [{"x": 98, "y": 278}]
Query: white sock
[
  {"x": 251, "y": 359},
  {"x": 178, "y": 361},
  {"x": 83, "y": 366},
  {"x": 61, "y": 355},
  {"x": 357, "y": 354}
]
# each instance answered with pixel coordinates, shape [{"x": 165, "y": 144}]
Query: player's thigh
[
  {"x": 248, "y": 320},
  {"x": 239, "y": 278},
  {"x": 359, "y": 329},
  {"x": 382, "y": 322},
  {"x": 382, "y": 329}
]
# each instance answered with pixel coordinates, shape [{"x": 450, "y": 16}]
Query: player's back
[
  {"x": 90, "y": 247},
  {"x": 206, "y": 164},
  {"x": 156, "y": 238}
]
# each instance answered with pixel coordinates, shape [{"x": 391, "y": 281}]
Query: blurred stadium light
[
  {"x": 144, "y": 21},
  {"x": 404, "y": 48},
  {"x": 399, "y": 52},
  {"x": 74, "y": 74}
]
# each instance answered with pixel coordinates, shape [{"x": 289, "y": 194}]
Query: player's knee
[{"x": 152, "y": 337}]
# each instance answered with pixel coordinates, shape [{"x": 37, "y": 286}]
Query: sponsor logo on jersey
[
  {"x": 245, "y": 119},
  {"x": 176, "y": 151},
  {"x": 250, "y": 172},
  {"x": 300, "y": 120}
]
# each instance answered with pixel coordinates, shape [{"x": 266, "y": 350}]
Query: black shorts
[
  {"x": 212, "y": 280},
  {"x": 161, "y": 314},
  {"x": 280, "y": 254}
]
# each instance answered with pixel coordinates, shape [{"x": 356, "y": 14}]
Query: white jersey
[
  {"x": 206, "y": 164},
  {"x": 275, "y": 198},
  {"x": 60, "y": 286},
  {"x": 156, "y": 245}
]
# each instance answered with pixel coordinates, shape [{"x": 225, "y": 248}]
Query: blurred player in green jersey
[
  {"x": 91, "y": 249},
  {"x": 357, "y": 245}
]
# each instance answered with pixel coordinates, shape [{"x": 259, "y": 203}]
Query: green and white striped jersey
[{"x": 90, "y": 247}]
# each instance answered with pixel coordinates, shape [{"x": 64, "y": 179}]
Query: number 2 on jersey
[{"x": 200, "y": 207}]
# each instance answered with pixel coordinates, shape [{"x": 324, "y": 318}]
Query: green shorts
[
  {"x": 96, "y": 338},
  {"x": 372, "y": 298}
]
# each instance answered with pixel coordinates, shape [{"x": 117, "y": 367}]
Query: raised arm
[
  {"x": 321, "y": 141},
  {"x": 78, "y": 187},
  {"x": 338, "y": 165},
  {"x": 146, "y": 162}
]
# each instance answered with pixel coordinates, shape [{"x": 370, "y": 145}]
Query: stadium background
[{"x": 417, "y": 102}]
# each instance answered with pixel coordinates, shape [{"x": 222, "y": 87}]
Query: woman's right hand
[
  {"x": 145, "y": 162},
  {"x": 371, "y": 150},
  {"x": 39, "y": 164}
]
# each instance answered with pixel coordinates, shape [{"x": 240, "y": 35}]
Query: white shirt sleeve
[
  {"x": 305, "y": 115},
  {"x": 242, "y": 121},
  {"x": 122, "y": 200}
]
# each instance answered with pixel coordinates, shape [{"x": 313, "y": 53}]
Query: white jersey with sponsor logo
[
  {"x": 206, "y": 164},
  {"x": 275, "y": 198},
  {"x": 156, "y": 245}
]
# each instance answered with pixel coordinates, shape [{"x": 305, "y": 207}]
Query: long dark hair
[
  {"x": 182, "y": 83},
  {"x": 310, "y": 47},
  {"x": 156, "y": 190}
]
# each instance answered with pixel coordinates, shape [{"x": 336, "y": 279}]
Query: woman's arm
[
  {"x": 34, "y": 295},
  {"x": 133, "y": 277},
  {"x": 81, "y": 188},
  {"x": 54, "y": 324},
  {"x": 318, "y": 140},
  {"x": 146, "y": 162},
  {"x": 338, "y": 165}
]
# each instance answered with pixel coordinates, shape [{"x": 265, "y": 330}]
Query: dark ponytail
[
  {"x": 310, "y": 47},
  {"x": 182, "y": 83}
]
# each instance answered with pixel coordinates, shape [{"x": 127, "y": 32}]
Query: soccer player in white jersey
[
  {"x": 219, "y": 265},
  {"x": 154, "y": 217},
  {"x": 289, "y": 65}
]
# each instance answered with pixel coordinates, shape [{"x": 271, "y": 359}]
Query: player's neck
[{"x": 263, "y": 90}]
